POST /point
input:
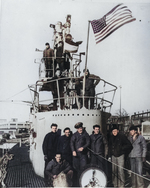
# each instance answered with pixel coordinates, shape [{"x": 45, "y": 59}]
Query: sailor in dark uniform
[
  {"x": 56, "y": 167},
  {"x": 64, "y": 145},
  {"x": 91, "y": 82},
  {"x": 79, "y": 143},
  {"x": 50, "y": 144},
  {"x": 59, "y": 56},
  {"x": 48, "y": 54},
  {"x": 99, "y": 147}
]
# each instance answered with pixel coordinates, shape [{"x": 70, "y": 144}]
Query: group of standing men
[
  {"x": 77, "y": 150},
  {"x": 54, "y": 60},
  {"x": 59, "y": 65},
  {"x": 122, "y": 148},
  {"x": 73, "y": 149}
]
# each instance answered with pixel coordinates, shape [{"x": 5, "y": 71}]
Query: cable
[
  {"x": 118, "y": 165},
  {"x": 16, "y": 94},
  {"x": 18, "y": 102}
]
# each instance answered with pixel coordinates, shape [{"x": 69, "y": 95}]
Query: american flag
[{"x": 110, "y": 22}]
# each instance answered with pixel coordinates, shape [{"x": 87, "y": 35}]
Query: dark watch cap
[
  {"x": 133, "y": 128},
  {"x": 114, "y": 126},
  {"x": 86, "y": 70},
  {"x": 67, "y": 128},
  {"x": 96, "y": 126},
  {"x": 46, "y": 43},
  {"x": 78, "y": 125}
]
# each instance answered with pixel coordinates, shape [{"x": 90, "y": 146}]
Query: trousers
[
  {"x": 117, "y": 171},
  {"x": 136, "y": 166}
]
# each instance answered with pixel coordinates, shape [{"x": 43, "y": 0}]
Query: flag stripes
[{"x": 110, "y": 22}]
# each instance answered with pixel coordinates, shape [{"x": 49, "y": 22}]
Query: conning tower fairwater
[{"x": 61, "y": 99}]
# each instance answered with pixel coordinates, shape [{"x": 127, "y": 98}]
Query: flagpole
[
  {"x": 87, "y": 45},
  {"x": 86, "y": 60}
]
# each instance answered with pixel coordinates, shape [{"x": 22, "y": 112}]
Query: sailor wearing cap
[
  {"x": 137, "y": 155},
  {"x": 91, "y": 82},
  {"x": 119, "y": 147},
  {"x": 79, "y": 143}
]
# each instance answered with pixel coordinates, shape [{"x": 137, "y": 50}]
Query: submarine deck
[{"x": 20, "y": 172}]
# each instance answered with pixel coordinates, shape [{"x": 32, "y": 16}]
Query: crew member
[
  {"x": 59, "y": 56},
  {"x": 91, "y": 82},
  {"x": 137, "y": 156},
  {"x": 79, "y": 143},
  {"x": 57, "y": 166},
  {"x": 48, "y": 54},
  {"x": 64, "y": 145},
  {"x": 98, "y": 146},
  {"x": 119, "y": 146},
  {"x": 50, "y": 144}
]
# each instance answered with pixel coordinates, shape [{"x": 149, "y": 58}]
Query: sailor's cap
[
  {"x": 133, "y": 128},
  {"x": 87, "y": 70},
  {"x": 114, "y": 126},
  {"x": 78, "y": 125}
]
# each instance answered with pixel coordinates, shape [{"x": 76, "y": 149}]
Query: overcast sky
[{"x": 123, "y": 58}]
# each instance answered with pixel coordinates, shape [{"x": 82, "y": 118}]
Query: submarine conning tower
[{"x": 59, "y": 72}]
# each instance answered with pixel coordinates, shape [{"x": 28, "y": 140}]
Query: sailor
[
  {"x": 98, "y": 146},
  {"x": 79, "y": 143},
  {"x": 137, "y": 156},
  {"x": 91, "y": 82},
  {"x": 50, "y": 144},
  {"x": 58, "y": 75},
  {"x": 57, "y": 169},
  {"x": 48, "y": 55},
  {"x": 118, "y": 147},
  {"x": 64, "y": 145},
  {"x": 59, "y": 56}
]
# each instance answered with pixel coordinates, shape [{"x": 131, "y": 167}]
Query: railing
[{"x": 70, "y": 97}]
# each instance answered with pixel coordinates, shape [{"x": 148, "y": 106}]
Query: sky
[{"x": 121, "y": 59}]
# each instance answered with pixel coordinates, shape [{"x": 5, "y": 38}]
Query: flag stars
[{"x": 98, "y": 25}]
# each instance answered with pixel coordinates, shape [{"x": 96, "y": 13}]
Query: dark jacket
[
  {"x": 54, "y": 168},
  {"x": 119, "y": 145},
  {"x": 61, "y": 85},
  {"x": 91, "y": 81},
  {"x": 99, "y": 144},
  {"x": 50, "y": 144},
  {"x": 80, "y": 140},
  {"x": 64, "y": 148},
  {"x": 48, "y": 54}
]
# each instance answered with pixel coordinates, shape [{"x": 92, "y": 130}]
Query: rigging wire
[
  {"x": 18, "y": 102},
  {"x": 30, "y": 93},
  {"x": 16, "y": 94},
  {"x": 129, "y": 171}
]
